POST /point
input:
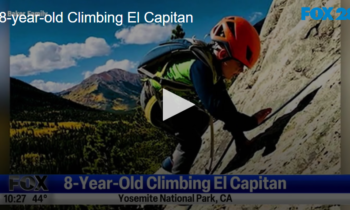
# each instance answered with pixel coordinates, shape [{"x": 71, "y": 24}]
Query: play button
[{"x": 173, "y": 104}]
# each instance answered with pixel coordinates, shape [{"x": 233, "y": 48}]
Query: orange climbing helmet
[{"x": 240, "y": 39}]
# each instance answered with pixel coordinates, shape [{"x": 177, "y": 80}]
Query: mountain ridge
[
  {"x": 112, "y": 90},
  {"x": 29, "y": 103}
]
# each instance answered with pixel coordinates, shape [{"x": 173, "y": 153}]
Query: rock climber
[{"x": 236, "y": 45}]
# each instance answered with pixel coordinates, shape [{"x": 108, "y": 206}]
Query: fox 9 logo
[{"x": 28, "y": 183}]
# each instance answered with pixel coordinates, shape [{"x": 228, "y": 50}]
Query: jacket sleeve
[{"x": 217, "y": 101}]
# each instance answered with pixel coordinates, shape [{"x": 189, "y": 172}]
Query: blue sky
[{"x": 56, "y": 56}]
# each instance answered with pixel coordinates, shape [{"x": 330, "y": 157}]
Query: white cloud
[
  {"x": 49, "y": 86},
  {"x": 49, "y": 56},
  {"x": 255, "y": 16},
  {"x": 115, "y": 45},
  {"x": 144, "y": 33},
  {"x": 112, "y": 64}
]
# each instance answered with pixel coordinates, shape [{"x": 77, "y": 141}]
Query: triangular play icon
[{"x": 173, "y": 104}]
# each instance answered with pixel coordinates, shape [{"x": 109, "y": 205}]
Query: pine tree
[{"x": 178, "y": 33}]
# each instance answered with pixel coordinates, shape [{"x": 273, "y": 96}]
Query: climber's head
[{"x": 237, "y": 45}]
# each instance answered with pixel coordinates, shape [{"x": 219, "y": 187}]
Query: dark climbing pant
[{"x": 188, "y": 127}]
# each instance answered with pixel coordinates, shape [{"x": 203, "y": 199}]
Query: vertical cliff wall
[{"x": 304, "y": 136}]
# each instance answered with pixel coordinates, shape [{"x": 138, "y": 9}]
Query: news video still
[{"x": 174, "y": 105}]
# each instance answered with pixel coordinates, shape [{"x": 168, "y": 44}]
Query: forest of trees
[{"x": 126, "y": 145}]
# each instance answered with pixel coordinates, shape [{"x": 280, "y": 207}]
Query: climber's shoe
[
  {"x": 167, "y": 164},
  {"x": 262, "y": 114}
]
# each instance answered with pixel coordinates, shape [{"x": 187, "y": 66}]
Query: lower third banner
[{"x": 174, "y": 189}]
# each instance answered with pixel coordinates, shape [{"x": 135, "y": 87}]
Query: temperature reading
[{"x": 39, "y": 198}]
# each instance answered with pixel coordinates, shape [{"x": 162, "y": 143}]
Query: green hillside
[{"x": 52, "y": 135}]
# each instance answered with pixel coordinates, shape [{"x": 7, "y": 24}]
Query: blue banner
[{"x": 174, "y": 183}]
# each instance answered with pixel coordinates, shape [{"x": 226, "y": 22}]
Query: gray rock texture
[{"x": 305, "y": 133}]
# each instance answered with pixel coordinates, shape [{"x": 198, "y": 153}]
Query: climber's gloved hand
[
  {"x": 258, "y": 117},
  {"x": 242, "y": 143},
  {"x": 262, "y": 114}
]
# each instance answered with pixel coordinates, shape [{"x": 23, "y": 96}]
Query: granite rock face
[{"x": 304, "y": 136}]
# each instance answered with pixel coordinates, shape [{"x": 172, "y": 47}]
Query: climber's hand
[{"x": 262, "y": 114}]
